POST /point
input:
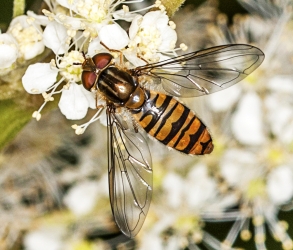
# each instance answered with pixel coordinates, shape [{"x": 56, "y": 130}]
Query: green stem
[{"x": 18, "y": 7}]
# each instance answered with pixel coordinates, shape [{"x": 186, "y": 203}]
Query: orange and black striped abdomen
[{"x": 173, "y": 124}]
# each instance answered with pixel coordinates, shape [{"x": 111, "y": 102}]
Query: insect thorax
[{"x": 116, "y": 85}]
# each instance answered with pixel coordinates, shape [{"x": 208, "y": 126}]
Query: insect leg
[{"x": 114, "y": 50}]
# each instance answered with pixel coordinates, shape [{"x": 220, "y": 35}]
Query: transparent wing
[
  {"x": 205, "y": 71},
  {"x": 130, "y": 175}
]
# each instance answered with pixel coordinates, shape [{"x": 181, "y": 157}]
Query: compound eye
[
  {"x": 102, "y": 60},
  {"x": 88, "y": 79}
]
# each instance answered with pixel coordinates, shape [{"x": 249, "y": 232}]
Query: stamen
[
  {"x": 79, "y": 129},
  {"x": 172, "y": 25},
  {"x": 125, "y": 8},
  {"x": 183, "y": 47},
  {"x": 37, "y": 115}
]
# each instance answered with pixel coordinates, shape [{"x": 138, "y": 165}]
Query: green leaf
[
  {"x": 172, "y": 6},
  {"x": 13, "y": 118}
]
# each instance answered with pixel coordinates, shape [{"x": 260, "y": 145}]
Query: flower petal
[
  {"x": 88, "y": 192},
  {"x": 29, "y": 36},
  {"x": 44, "y": 238},
  {"x": 38, "y": 78},
  {"x": 279, "y": 109},
  {"x": 33, "y": 50},
  {"x": 198, "y": 180},
  {"x": 238, "y": 167},
  {"x": 122, "y": 15},
  {"x": 95, "y": 47},
  {"x": 113, "y": 36},
  {"x": 173, "y": 185},
  {"x": 90, "y": 97},
  {"x": 281, "y": 84},
  {"x": 73, "y": 103},
  {"x": 155, "y": 18},
  {"x": 132, "y": 57},
  {"x": 67, "y": 4},
  {"x": 134, "y": 27},
  {"x": 8, "y": 50},
  {"x": 247, "y": 124},
  {"x": 169, "y": 39},
  {"x": 223, "y": 100},
  {"x": 280, "y": 184},
  {"x": 40, "y": 19},
  {"x": 55, "y": 36}
]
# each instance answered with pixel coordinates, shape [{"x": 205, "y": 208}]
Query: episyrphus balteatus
[{"x": 159, "y": 114}]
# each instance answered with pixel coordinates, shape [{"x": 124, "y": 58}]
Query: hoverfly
[{"x": 159, "y": 114}]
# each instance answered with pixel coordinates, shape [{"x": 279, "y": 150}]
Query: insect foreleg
[{"x": 114, "y": 50}]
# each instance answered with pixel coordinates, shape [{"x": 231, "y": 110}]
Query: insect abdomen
[{"x": 173, "y": 124}]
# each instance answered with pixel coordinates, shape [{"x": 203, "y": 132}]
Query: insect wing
[
  {"x": 130, "y": 175},
  {"x": 205, "y": 71}
]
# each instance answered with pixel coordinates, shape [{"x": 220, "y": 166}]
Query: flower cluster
[
  {"x": 252, "y": 126},
  {"x": 22, "y": 41},
  {"x": 76, "y": 27}
]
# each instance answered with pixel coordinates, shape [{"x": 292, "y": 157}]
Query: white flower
[
  {"x": 279, "y": 116},
  {"x": 238, "y": 167},
  {"x": 189, "y": 191},
  {"x": 113, "y": 36},
  {"x": 68, "y": 68},
  {"x": 283, "y": 84},
  {"x": 150, "y": 35},
  {"x": 95, "y": 47},
  {"x": 75, "y": 101},
  {"x": 93, "y": 11},
  {"x": 8, "y": 50},
  {"x": 173, "y": 185},
  {"x": 82, "y": 198},
  {"x": 280, "y": 184},
  {"x": 151, "y": 241},
  {"x": 40, "y": 20},
  {"x": 197, "y": 181},
  {"x": 90, "y": 15},
  {"x": 28, "y": 35},
  {"x": 223, "y": 100},
  {"x": 247, "y": 123},
  {"x": 45, "y": 239},
  {"x": 55, "y": 37},
  {"x": 39, "y": 77}
]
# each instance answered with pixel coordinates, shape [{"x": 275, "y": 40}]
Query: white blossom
[
  {"x": 173, "y": 184},
  {"x": 8, "y": 50},
  {"x": 280, "y": 116},
  {"x": 223, "y": 100},
  {"x": 150, "y": 35},
  {"x": 39, "y": 77},
  {"x": 28, "y": 35},
  {"x": 75, "y": 101},
  {"x": 247, "y": 124},
  {"x": 82, "y": 198},
  {"x": 55, "y": 37},
  {"x": 238, "y": 167},
  {"x": 200, "y": 189},
  {"x": 113, "y": 36},
  {"x": 46, "y": 239},
  {"x": 280, "y": 184}
]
